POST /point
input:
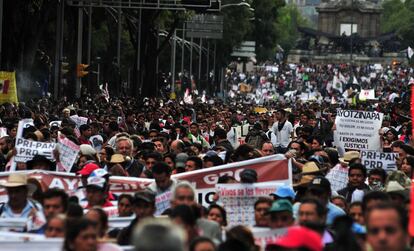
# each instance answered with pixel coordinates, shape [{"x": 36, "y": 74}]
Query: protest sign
[
  {"x": 373, "y": 159},
  {"x": 162, "y": 202},
  {"x": 270, "y": 168},
  {"x": 27, "y": 149},
  {"x": 358, "y": 130},
  {"x": 239, "y": 199},
  {"x": 367, "y": 94},
  {"x": 3, "y": 132},
  {"x": 79, "y": 120},
  {"x": 24, "y": 123},
  {"x": 262, "y": 236},
  {"x": 68, "y": 152}
]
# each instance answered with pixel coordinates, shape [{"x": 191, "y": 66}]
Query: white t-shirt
[{"x": 282, "y": 136}]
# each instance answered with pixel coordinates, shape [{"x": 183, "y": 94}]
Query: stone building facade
[{"x": 346, "y": 16}]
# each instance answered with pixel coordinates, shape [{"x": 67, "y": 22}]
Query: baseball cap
[
  {"x": 284, "y": 192},
  {"x": 280, "y": 206},
  {"x": 88, "y": 169},
  {"x": 320, "y": 183},
  {"x": 144, "y": 195},
  {"x": 180, "y": 160},
  {"x": 96, "y": 182},
  {"x": 99, "y": 173},
  {"x": 299, "y": 237}
]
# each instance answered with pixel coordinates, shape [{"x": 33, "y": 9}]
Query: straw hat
[
  {"x": 348, "y": 156},
  {"x": 117, "y": 158},
  {"x": 309, "y": 171},
  {"x": 17, "y": 180}
]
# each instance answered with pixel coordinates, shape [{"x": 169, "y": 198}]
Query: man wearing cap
[
  {"x": 143, "y": 205},
  {"x": 281, "y": 214},
  {"x": 297, "y": 238},
  {"x": 96, "y": 192},
  {"x": 284, "y": 192},
  {"x": 18, "y": 204},
  {"x": 320, "y": 188}
]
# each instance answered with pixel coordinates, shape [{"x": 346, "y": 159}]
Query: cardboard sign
[
  {"x": 239, "y": 199},
  {"x": 386, "y": 161},
  {"x": 27, "y": 149},
  {"x": 358, "y": 130}
]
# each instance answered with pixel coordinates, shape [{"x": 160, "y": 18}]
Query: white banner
[
  {"x": 386, "y": 161},
  {"x": 27, "y": 149},
  {"x": 264, "y": 235},
  {"x": 68, "y": 152},
  {"x": 367, "y": 94},
  {"x": 239, "y": 199},
  {"x": 358, "y": 130}
]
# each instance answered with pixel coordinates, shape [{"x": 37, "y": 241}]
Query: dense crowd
[{"x": 335, "y": 202}]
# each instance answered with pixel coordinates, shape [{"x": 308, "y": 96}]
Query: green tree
[
  {"x": 288, "y": 20},
  {"x": 398, "y": 17},
  {"x": 265, "y": 31}
]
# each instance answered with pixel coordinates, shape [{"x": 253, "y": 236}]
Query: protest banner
[
  {"x": 33, "y": 242},
  {"x": 358, "y": 130},
  {"x": 68, "y": 152},
  {"x": 239, "y": 199},
  {"x": 262, "y": 236},
  {"x": 27, "y": 149},
  {"x": 71, "y": 183},
  {"x": 373, "y": 159},
  {"x": 8, "y": 87},
  {"x": 270, "y": 168}
]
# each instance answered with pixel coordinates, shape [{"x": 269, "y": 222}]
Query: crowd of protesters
[{"x": 335, "y": 203}]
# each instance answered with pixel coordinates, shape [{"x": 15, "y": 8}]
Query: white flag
[{"x": 410, "y": 52}]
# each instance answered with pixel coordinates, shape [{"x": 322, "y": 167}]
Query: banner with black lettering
[
  {"x": 373, "y": 159},
  {"x": 358, "y": 130}
]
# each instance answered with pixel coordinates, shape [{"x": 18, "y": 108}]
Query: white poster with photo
[
  {"x": 68, "y": 152},
  {"x": 373, "y": 159},
  {"x": 239, "y": 199},
  {"x": 358, "y": 130}
]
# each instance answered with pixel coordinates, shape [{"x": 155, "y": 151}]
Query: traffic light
[
  {"x": 80, "y": 70},
  {"x": 64, "y": 68}
]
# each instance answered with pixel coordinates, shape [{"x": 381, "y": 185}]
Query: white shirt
[{"x": 282, "y": 136}]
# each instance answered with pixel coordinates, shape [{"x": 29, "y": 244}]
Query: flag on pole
[
  {"x": 410, "y": 52},
  {"x": 8, "y": 88}
]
